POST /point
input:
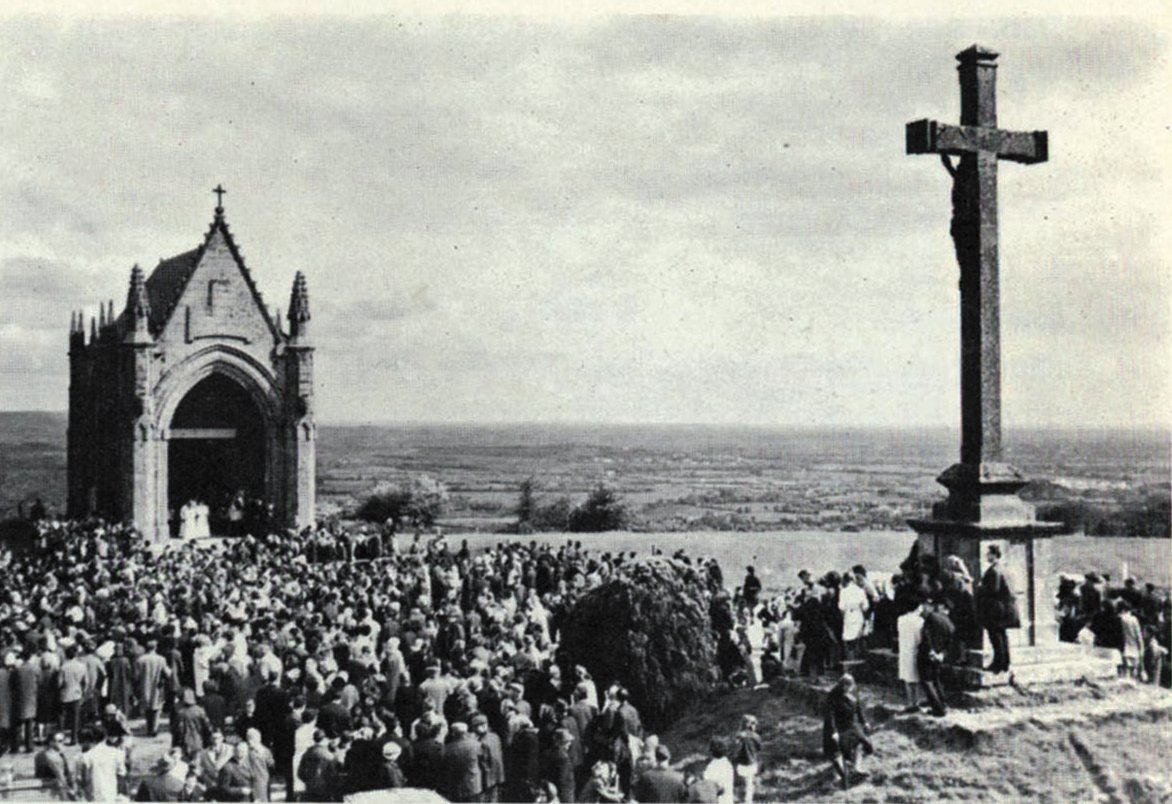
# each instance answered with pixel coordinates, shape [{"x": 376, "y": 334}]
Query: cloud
[{"x": 627, "y": 218}]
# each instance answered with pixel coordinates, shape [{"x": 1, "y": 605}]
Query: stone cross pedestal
[{"x": 983, "y": 506}]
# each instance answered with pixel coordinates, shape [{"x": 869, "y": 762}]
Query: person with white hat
[{"x": 390, "y": 774}]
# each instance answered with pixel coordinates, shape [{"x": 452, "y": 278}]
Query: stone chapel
[{"x": 194, "y": 391}]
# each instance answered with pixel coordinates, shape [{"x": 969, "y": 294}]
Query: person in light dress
[{"x": 910, "y": 627}]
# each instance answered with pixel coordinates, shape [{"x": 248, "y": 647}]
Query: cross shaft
[{"x": 979, "y": 144}]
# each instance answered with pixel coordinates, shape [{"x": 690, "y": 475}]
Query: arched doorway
[{"x": 215, "y": 448}]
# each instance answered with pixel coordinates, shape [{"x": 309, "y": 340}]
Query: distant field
[
  {"x": 678, "y": 478},
  {"x": 778, "y": 556}
]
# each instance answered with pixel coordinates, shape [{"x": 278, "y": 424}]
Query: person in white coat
[
  {"x": 909, "y": 627},
  {"x": 852, "y": 601}
]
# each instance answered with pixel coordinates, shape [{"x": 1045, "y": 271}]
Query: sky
[{"x": 606, "y": 218}]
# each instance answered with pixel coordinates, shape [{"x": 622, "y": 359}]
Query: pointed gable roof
[{"x": 167, "y": 282}]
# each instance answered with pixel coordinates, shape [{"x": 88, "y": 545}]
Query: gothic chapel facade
[{"x": 194, "y": 392}]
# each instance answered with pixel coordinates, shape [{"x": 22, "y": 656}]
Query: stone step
[
  {"x": 1042, "y": 654},
  {"x": 1026, "y": 674}
]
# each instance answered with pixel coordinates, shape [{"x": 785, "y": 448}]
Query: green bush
[{"x": 648, "y": 628}]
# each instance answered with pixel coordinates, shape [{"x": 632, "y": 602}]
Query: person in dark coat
[
  {"x": 751, "y": 588},
  {"x": 428, "y": 758},
  {"x": 961, "y": 604},
  {"x": 578, "y": 746},
  {"x": 557, "y": 767},
  {"x": 662, "y": 782},
  {"x": 363, "y": 762},
  {"x": 120, "y": 679},
  {"x": 936, "y": 646},
  {"x": 162, "y": 785},
  {"x": 334, "y": 718},
  {"x": 492, "y": 759},
  {"x": 272, "y": 707},
  {"x": 8, "y": 731},
  {"x": 214, "y": 704},
  {"x": 462, "y": 765},
  {"x": 318, "y": 769},
  {"x": 1107, "y": 626},
  {"x": 235, "y": 781},
  {"x": 390, "y": 775},
  {"x": 191, "y": 729},
  {"x": 844, "y": 729},
  {"x": 284, "y": 742},
  {"x": 51, "y": 765},
  {"x": 814, "y": 633},
  {"x": 997, "y": 610},
  {"x": 523, "y": 762}
]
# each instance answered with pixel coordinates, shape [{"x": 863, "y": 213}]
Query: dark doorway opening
[{"x": 216, "y": 450}]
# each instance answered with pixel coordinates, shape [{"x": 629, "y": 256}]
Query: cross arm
[{"x": 930, "y": 137}]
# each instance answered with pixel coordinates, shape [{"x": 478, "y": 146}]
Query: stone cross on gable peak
[{"x": 979, "y": 145}]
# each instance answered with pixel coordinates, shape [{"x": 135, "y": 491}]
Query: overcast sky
[{"x": 622, "y": 219}]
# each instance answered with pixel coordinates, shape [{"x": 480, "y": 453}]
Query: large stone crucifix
[
  {"x": 983, "y": 508},
  {"x": 979, "y": 144}
]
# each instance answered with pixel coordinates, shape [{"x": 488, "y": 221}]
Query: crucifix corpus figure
[{"x": 979, "y": 144}]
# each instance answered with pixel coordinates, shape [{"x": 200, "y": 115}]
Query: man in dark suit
[
  {"x": 661, "y": 783},
  {"x": 997, "y": 610},
  {"x": 426, "y": 768},
  {"x": 935, "y": 647},
  {"x": 557, "y": 767},
  {"x": 462, "y": 765},
  {"x": 318, "y": 769}
]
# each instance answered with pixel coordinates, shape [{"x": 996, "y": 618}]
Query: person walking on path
[
  {"x": 844, "y": 729},
  {"x": 747, "y": 760}
]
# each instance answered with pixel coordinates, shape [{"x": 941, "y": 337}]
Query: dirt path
[{"x": 1114, "y": 750}]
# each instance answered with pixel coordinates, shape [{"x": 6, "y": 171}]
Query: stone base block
[{"x": 1046, "y": 664}]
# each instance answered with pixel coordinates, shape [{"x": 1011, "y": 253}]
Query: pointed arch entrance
[
  {"x": 216, "y": 448},
  {"x": 219, "y": 434}
]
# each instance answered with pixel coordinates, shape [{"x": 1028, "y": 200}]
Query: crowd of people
[
  {"x": 324, "y": 663},
  {"x": 332, "y": 662},
  {"x": 930, "y": 613}
]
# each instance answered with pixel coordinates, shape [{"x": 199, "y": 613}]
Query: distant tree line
[
  {"x": 602, "y": 510},
  {"x": 417, "y": 503},
  {"x": 1150, "y": 518}
]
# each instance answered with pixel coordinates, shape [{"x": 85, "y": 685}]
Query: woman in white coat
[{"x": 909, "y": 627}]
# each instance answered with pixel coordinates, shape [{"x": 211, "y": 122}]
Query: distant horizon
[
  {"x": 668, "y": 219},
  {"x": 1141, "y": 427}
]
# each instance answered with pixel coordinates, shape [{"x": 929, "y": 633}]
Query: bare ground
[{"x": 1089, "y": 746}]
